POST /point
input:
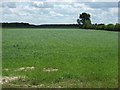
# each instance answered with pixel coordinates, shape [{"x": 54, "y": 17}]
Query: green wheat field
[{"x": 77, "y": 58}]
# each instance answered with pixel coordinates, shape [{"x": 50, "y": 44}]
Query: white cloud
[
  {"x": 52, "y": 13},
  {"x": 82, "y": 6},
  {"x": 62, "y": 6},
  {"x": 113, "y": 11},
  {"x": 61, "y": 0},
  {"x": 38, "y": 3}
]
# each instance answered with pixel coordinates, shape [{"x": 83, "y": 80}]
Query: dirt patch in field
[
  {"x": 25, "y": 68},
  {"x": 50, "y": 69},
  {"x": 6, "y": 69},
  {"x": 6, "y": 79},
  {"x": 26, "y": 86}
]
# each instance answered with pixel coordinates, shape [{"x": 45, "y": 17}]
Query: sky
[{"x": 58, "y": 11}]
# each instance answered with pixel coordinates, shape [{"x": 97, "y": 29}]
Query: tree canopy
[{"x": 84, "y": 19}]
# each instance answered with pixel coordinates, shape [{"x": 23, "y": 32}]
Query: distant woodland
[
  {"x": 83, "y": 22},
  {"x": 27, "y": 25}
]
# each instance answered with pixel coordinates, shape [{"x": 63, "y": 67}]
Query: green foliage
[
  {"x": 86, "y": 24},
  {"x": 109, "y": 27},
  {"x": 84, "y": 20},
  {"x": 117, "y": 27}
]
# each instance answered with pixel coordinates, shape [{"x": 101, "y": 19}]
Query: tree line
[
  {"x": 27, "y": 25},
  {"x": 85, "y": 23}
]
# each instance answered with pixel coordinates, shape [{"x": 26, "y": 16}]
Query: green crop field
[{"x": 77, "y": 58}]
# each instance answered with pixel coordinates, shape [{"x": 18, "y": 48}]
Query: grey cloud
[
  {"x": 97, "y": 4},
  {"x": 9, "y": 5},
  {"x": 102, "y": 4}
]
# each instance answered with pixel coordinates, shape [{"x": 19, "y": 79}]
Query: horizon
[{"x": 53, "y": 23}]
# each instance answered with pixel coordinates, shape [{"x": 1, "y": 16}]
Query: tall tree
[{"x": 84, "y": 19}]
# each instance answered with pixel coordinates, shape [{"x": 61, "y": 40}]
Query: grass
[{"x": 84, "y": 58}]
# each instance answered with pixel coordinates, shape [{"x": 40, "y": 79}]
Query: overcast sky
[{"x": 64, "y": 11}]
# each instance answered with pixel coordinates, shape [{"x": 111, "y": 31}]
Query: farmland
[{"x": 81, "y": 58}]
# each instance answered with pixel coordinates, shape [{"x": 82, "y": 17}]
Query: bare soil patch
[
  {"x": 25, "y": 68},
  {"x": 7, "y": 79},
  {"x": 50, "y": 69}
]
